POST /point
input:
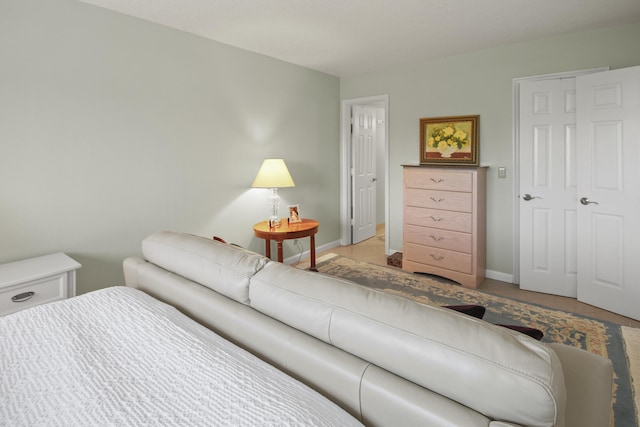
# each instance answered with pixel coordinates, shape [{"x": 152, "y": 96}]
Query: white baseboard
[
  {"x": 306, "y": 254},
  {"x": 497, "y": 275}
]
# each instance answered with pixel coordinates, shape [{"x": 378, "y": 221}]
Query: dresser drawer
[
  {"x": 25, "y": 295},
  {"x": 438, "y": 179},
  {"x": 448, "y": 200},
  {"x": 443, "y": 239},
  {"x": 434, "y": 218},
  {"x": 440, "y": 258}
]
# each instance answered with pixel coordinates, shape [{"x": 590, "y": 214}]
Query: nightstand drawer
[
  {"x": 35, "y": 281},
  {"x": 447, "y": 200},
  {"x": 452, "y": 240},
  {"x": 29, "y": 294}
]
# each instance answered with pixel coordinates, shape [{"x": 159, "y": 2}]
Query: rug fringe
[{"x": 631, "y": 338}]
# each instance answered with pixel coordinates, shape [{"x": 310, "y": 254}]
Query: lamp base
[{"x": 274, "y": 199}]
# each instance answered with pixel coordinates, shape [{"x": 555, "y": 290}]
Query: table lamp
[{"x": 273, "y": 174}]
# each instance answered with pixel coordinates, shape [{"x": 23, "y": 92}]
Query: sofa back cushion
[
  {"x": 498, "y": 372},
  {"x": 224, "y": 268}
]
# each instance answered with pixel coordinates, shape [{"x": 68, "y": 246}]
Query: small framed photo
[
  {"x": 449, "y": 140},
  {"x": 294, "y": 214}
]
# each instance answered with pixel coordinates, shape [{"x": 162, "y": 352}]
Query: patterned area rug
[{"x": 599, "y": 337}]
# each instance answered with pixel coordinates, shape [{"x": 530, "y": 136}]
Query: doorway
[{"x": 347, "y": 206}]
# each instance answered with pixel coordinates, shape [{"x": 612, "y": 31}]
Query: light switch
[{"x": 502, "y": 172}]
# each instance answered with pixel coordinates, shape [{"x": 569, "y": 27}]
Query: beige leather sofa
[{"x": 386, "y": 360}]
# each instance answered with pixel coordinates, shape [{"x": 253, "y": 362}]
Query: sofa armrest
[{"x": 589, "y": 381}]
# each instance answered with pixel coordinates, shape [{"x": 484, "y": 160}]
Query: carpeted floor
[{"x": 620, "y": 344}]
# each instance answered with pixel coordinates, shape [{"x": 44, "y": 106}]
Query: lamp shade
[{"x": 273, "y": 174}]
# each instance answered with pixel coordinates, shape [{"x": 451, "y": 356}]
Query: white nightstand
[{"x": 35, "y": 281}]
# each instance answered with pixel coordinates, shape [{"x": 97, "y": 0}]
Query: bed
[{"x": 120, "y": 357}]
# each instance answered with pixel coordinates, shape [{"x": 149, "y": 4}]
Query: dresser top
[{"x": 413, "y": 165}]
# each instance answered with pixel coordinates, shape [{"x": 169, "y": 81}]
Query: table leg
[
  {"x": 267, "y": 250},
  {"x": 312, "y": 247},
  {"x": 280, "y": 255}
]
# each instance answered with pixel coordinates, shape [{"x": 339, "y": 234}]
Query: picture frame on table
[
  {"x": 449, "y": 141},
  {"x": 294, "y": 214}
]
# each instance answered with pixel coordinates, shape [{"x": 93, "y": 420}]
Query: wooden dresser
[{"x": 444, "y": 222}]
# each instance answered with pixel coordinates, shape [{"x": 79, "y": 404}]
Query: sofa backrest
[
  {"x": 495, "y": 371},
  {"x": 223, "y": 268}
]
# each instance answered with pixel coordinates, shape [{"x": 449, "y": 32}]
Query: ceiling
[{"x": 351, "y": 37}]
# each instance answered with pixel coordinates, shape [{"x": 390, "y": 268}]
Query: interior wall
[
  {"x": 481, "y": 83},
  {"x": 112, "y": 128}
]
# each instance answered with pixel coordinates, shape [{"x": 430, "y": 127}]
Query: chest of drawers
[
  {"x": 444, "y": 223},
  {"x": 35, "y": 281}
]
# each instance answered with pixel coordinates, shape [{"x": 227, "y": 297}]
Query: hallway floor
[{"x": 372, "y": 250}]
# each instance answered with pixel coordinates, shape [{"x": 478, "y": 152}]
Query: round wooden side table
[{"x": 287, "y": 231}]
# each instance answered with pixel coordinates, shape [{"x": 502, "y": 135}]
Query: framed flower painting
[{"x": 449, "y": 140}]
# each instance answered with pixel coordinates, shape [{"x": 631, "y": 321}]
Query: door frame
[
  {"x": 516, "y": 154},
  {"x": 345, "y": 165}
]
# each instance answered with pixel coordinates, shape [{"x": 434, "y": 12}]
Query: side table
[
  {"x": 287, "y": 231},
  {"x": 35, "y": 281}
]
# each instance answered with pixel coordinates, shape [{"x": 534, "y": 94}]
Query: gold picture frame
[{"x": 449, "y": 140}]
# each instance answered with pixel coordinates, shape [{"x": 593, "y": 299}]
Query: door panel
[
  {"x": 547, "y": 194},
  {"x": 363, "y": 141},
  {"x": 607, "y": 252},
  {"x": 609, "y": 188}
]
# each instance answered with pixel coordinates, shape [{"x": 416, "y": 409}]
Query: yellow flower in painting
[
  {"x": 460, "y": 134},
  {"x": 431, "y": 141},
  {"x": 448, "y": 131}
]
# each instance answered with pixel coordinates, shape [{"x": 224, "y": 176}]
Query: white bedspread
[{"x": 119, "y": 357}]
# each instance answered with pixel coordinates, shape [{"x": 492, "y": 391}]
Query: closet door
[
  {"x": 608, "y": 205},
  {"x": 547, "y": 194}
]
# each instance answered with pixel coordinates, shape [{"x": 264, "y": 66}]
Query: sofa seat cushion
[
  {"x": 224, "y": 268},
  {"x": 498, "y": 372}
]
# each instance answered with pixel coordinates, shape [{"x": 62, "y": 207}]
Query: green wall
[
  {"x": 481, "y": 83},
  {"x": 112, "y": 128}
]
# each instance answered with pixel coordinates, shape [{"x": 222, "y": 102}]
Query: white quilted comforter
[{"x": 119, "y": 357}]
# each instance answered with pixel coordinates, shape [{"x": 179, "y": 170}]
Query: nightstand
[
  {"x": 295, "y": 230},
  {"x": 35, "y": 281}
]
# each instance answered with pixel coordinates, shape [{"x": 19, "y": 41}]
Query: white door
[
  {"x": 547, "y": 193},
  {"x": 609, "y": 190},
  {"x": 363, "y": 146}
]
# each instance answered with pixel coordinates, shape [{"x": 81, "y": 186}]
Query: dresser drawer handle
[
  {"x": 437, "y": 257},
  {"x": 437, "y": 200},
  {"x": 23, "y": 297},
  {"x": 437, "y": 180},
  {"x": 437, "y": 238},
  {"x": 436, "y": 219}
]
